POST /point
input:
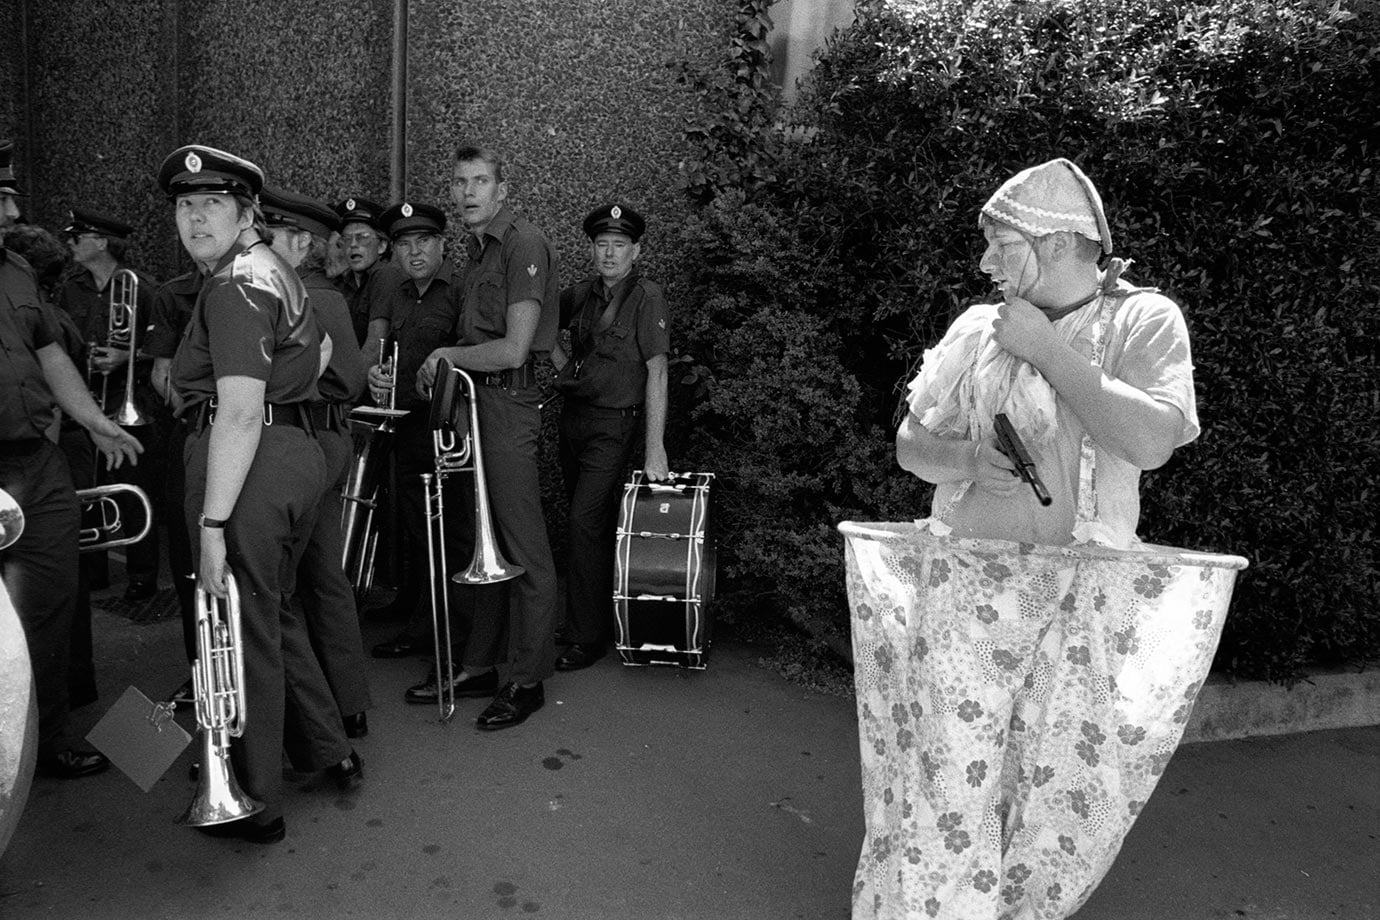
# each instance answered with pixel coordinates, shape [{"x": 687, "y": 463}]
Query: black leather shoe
[
  {"x": 511, "y": 707},
  {"x": 356, "y": 726},
  {"x": 73, "y": 764},
  {"x": 402, "y": 646},
  {"x": 245, "y": 829},
  {"x": 580, "y": 655},
  {"x": 469, "y": 686},
  {"x": 349, "y": 773},
  {"x": 140, "y": 590}
]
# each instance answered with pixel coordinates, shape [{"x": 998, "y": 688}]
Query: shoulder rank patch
[{"x": 532, "y": 270}]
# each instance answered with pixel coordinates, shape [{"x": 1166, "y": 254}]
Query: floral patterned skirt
[{"x": 1017, "y": 705}]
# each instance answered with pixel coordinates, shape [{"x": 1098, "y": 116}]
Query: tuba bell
[
  {"x": 11, "y": 520},
  {"x": 455, "y": 441},
  {"x": 218, "y": 678}
]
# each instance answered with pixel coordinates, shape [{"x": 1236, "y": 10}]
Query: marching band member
[
  {"x": 246, "y": 369},
  {"x": 508, "y": 320},
  {"x": 416, "y": 307},
  {"x": 40, "y": 570},
  {"x": 615, "y": 373},
  {"x": 301, "y": 229},
  {"x": 99, "y": 246},
  {"x": 364, "y": 242}
]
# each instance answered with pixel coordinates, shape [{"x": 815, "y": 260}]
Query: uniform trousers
[
  {"x": 513, "y": 621},
  {"x": 40, "y": 573},
  {"x": 596, "y": 445},
  {"x": 326, "y": 595},
  {"x": 80, "y": 453},
  {"x": 179, "y": 537},
  {"x": 141, "y": 559},
  {"x": 265, "y": 537}
]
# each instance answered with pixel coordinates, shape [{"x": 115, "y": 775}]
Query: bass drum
[
  {"x": 18, "y": 720},
  {"x": 664, "y": 570}
]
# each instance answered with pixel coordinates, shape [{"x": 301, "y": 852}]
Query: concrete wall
[{"x": 576, "y": 92}]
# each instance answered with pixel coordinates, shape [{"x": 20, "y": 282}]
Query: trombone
[
  {"x": 122, "y": 334},
  {"x": 103, "y": 519},
  {"x": 455, "y": 442},
  {"x": 218, "y": 677},
  {"x": 360, "y": 497}
]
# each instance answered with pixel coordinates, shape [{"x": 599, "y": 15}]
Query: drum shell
[{"x": 664, "y": 571}]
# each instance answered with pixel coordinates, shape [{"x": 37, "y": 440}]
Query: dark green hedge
[{"x": 1233, "y": 143}]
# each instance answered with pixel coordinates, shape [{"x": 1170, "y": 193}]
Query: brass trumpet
[
  {"x": 456, "y": 444},
  {"x": 218, "y": 678},
  {"x": 122, "y": 334},
  {"x": 103, "y": 519}
]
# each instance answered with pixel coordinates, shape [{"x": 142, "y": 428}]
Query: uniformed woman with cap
[{"x": 246, "y": 369}]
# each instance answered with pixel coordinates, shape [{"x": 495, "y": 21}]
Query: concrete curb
[{"x": 1228, "y": 710}]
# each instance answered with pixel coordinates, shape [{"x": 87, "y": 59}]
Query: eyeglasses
[
  {"x": 360, "y": 238},
  {"x": 75, "y": 235}
]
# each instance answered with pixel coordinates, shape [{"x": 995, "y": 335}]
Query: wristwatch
[{"x": 213, "y": 523}]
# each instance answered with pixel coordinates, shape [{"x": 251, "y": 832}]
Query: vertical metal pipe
[{"x": 398, "y": 159}]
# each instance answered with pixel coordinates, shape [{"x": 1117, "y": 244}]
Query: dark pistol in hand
[{"x": 1009, "y": 443}]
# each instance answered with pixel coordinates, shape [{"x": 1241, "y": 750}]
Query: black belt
[
  {"x": 516, "y": 378},
  {"x": 329, "y": 416},
  {"x": 604, "y": 411},
  {"x": 21, "y": 447},
  {"x": 295, "y": 415}
]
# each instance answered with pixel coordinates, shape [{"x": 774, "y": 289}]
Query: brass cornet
[
  {"x": 103, "y": 521},
  {"x": 218, "y": 678},
  {"x": 455, "y": 442},
  {"x": 122, "y": 334}
]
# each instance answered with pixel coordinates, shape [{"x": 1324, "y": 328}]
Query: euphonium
[
  {"x": 102, "y": 519},
  {"x": 218, "y": 677},
  {"x": 455, "y": 441},
  {"x": 122, "y": 332}
]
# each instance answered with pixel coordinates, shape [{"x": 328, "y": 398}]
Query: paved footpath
[{"x": 649, "y": 794}]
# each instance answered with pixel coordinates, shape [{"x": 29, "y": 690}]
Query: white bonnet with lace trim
[{"x": 1053, "y": 196}]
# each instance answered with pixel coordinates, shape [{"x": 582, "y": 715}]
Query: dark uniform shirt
[
  {"x": 172, "y": 308},
  {"x": 26, "y": 403},
  {"x": 610, "y": 358},
  {"x": 250, "y": 320},
  {"x": 356, "y": 291},
  {"x": 346, "y": 375},
  {"x": 514, "y": 262},
  {"x": 421, "y": 323}
]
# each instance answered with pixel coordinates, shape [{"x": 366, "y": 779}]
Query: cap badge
[
  {"x": 193, "y": 162},
  {"x": 616, "y": 212},
  {"x": 350, "y": 204},
  {"x": 407, "y": 210}
]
